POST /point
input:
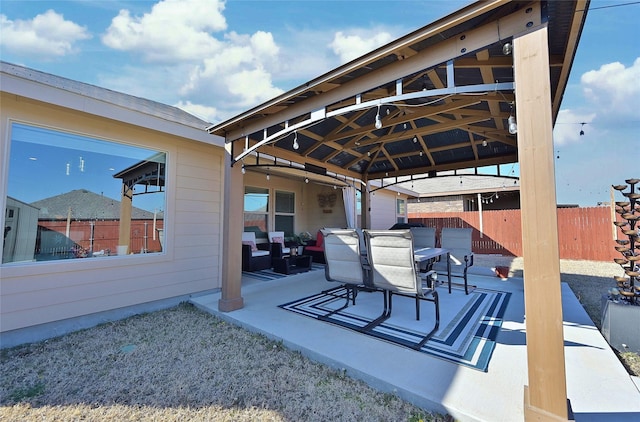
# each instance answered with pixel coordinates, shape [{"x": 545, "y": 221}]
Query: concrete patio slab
[{"x": 598, "y": 386}]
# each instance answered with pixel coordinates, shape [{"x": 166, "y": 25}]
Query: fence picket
[{"x": 583, "y": 233}]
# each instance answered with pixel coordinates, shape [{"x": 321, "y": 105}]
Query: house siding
[
  {"x": 50, "y": 292},
  {"x": 383, "y": 209}
]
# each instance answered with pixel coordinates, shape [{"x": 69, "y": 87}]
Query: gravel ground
[{"x": 588, "y": 280}]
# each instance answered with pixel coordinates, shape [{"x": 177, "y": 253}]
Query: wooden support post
[
  {"x": 126, "y": 205},
  {"x": 231, "y": 298},
  {"x": 365, "y": 205},
  {"x": 546, "y": 395}
]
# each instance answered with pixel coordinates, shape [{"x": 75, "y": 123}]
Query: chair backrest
[
  {"x": 249, "y": 237},
  {"x": 276, "y": 237},
  {"x": 342, "y": 256},
  {"x": 392, "y": 261},
  {"x": 457, "y": 241},
  {"x": 319, "y": 239},
  {"x": 423, "y": 237}
]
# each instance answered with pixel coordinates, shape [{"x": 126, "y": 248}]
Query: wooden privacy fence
[{"x": 583, "y": 233}]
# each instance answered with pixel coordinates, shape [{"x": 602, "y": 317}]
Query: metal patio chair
[
  {"x": 344, "y": 262},
  {"x": 393, "y": 270},
  {"x": 458, "y": 242}
]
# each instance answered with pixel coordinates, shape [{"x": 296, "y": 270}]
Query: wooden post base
[
  {"x": 228, "y": 305},
  {"x": 532, "y": 413}
]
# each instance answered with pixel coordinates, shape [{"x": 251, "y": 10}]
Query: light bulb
[
  {"x": 243, "y": 170},
  {"x": 507, "y": 49},
  {"x": 295, "y": 141},
  {"x": 378, "y": 122},
  {"x": 415, "y": 139},
  {"x": 306, "y": 180},
  {"x": 513, "y": 127},
  {"x": 268, "y": 176},
  {"x": 484, "y": 143}
]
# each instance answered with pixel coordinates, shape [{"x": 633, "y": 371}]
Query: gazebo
[{"x": 480, "y": 87}]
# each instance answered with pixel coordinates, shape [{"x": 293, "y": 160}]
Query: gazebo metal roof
[
  {"x": 443, "y": 95},
  {"x": 425, "y": 104}
]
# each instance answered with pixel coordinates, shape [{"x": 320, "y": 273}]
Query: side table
[{"x": 292, "y": 264}]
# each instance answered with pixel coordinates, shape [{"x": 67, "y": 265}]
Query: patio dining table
[{"x": 430, "y": 255}]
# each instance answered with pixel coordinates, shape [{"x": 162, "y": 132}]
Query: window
[
  {"x": 256, "y": 211},
  {"x": 72, "y": 196},
  {"x": 285, "y": 212},
  {"x": 401, "y": 211}
]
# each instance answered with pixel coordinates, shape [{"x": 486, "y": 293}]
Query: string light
[
  {"x": 513, "y": 127},
  {"x": 378, "y": 123},
  {"x": 295, "y": 140}
]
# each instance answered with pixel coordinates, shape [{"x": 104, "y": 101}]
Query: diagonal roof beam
[{"x": 444, "y": 51}]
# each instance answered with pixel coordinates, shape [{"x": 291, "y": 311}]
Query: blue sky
[{"x": 216, "y": 59}]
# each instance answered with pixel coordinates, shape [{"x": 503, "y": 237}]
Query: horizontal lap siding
[
  {"x": 583, "y": 233},
  {"x": 39, "y": 293},
  {"x": 198, "y": 232}
]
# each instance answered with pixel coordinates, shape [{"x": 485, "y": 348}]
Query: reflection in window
[
  {"x": 70, "y": 196},
  {"x": 256, "y": 211}
]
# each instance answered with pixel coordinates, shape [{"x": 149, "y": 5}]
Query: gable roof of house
[
  {"x": 105, "y": 96},
  {"x": 85, "y": 205},
  {"x": 460, "y": 184}
]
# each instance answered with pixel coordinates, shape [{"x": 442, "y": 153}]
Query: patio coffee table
[{"x": 292, "y": 264}]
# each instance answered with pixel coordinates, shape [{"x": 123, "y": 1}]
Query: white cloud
[
  {"x": 612, "y": 101},
  {"x": 569, "y": 124},
  {"x": 253, "y": 86},
  {"x": 239, "y": 75},
  {"x": 47, "y": 35},
  {"x": 614, "y": 89},
  {"x": 173, "y": 30},
  {"x": 359, "y": 42},
  {"x": 206, "y": 113}
]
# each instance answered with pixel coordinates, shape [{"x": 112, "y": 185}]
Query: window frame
[
  {"x": 94, "y": 262},
  {"x": 277, "y": 213}
]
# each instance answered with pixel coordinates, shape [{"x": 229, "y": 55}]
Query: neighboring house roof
[
  {"x": 112, "y": 102},
  {"x": 461, "y": 184},
  {"x": 86, "y": 205}
]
